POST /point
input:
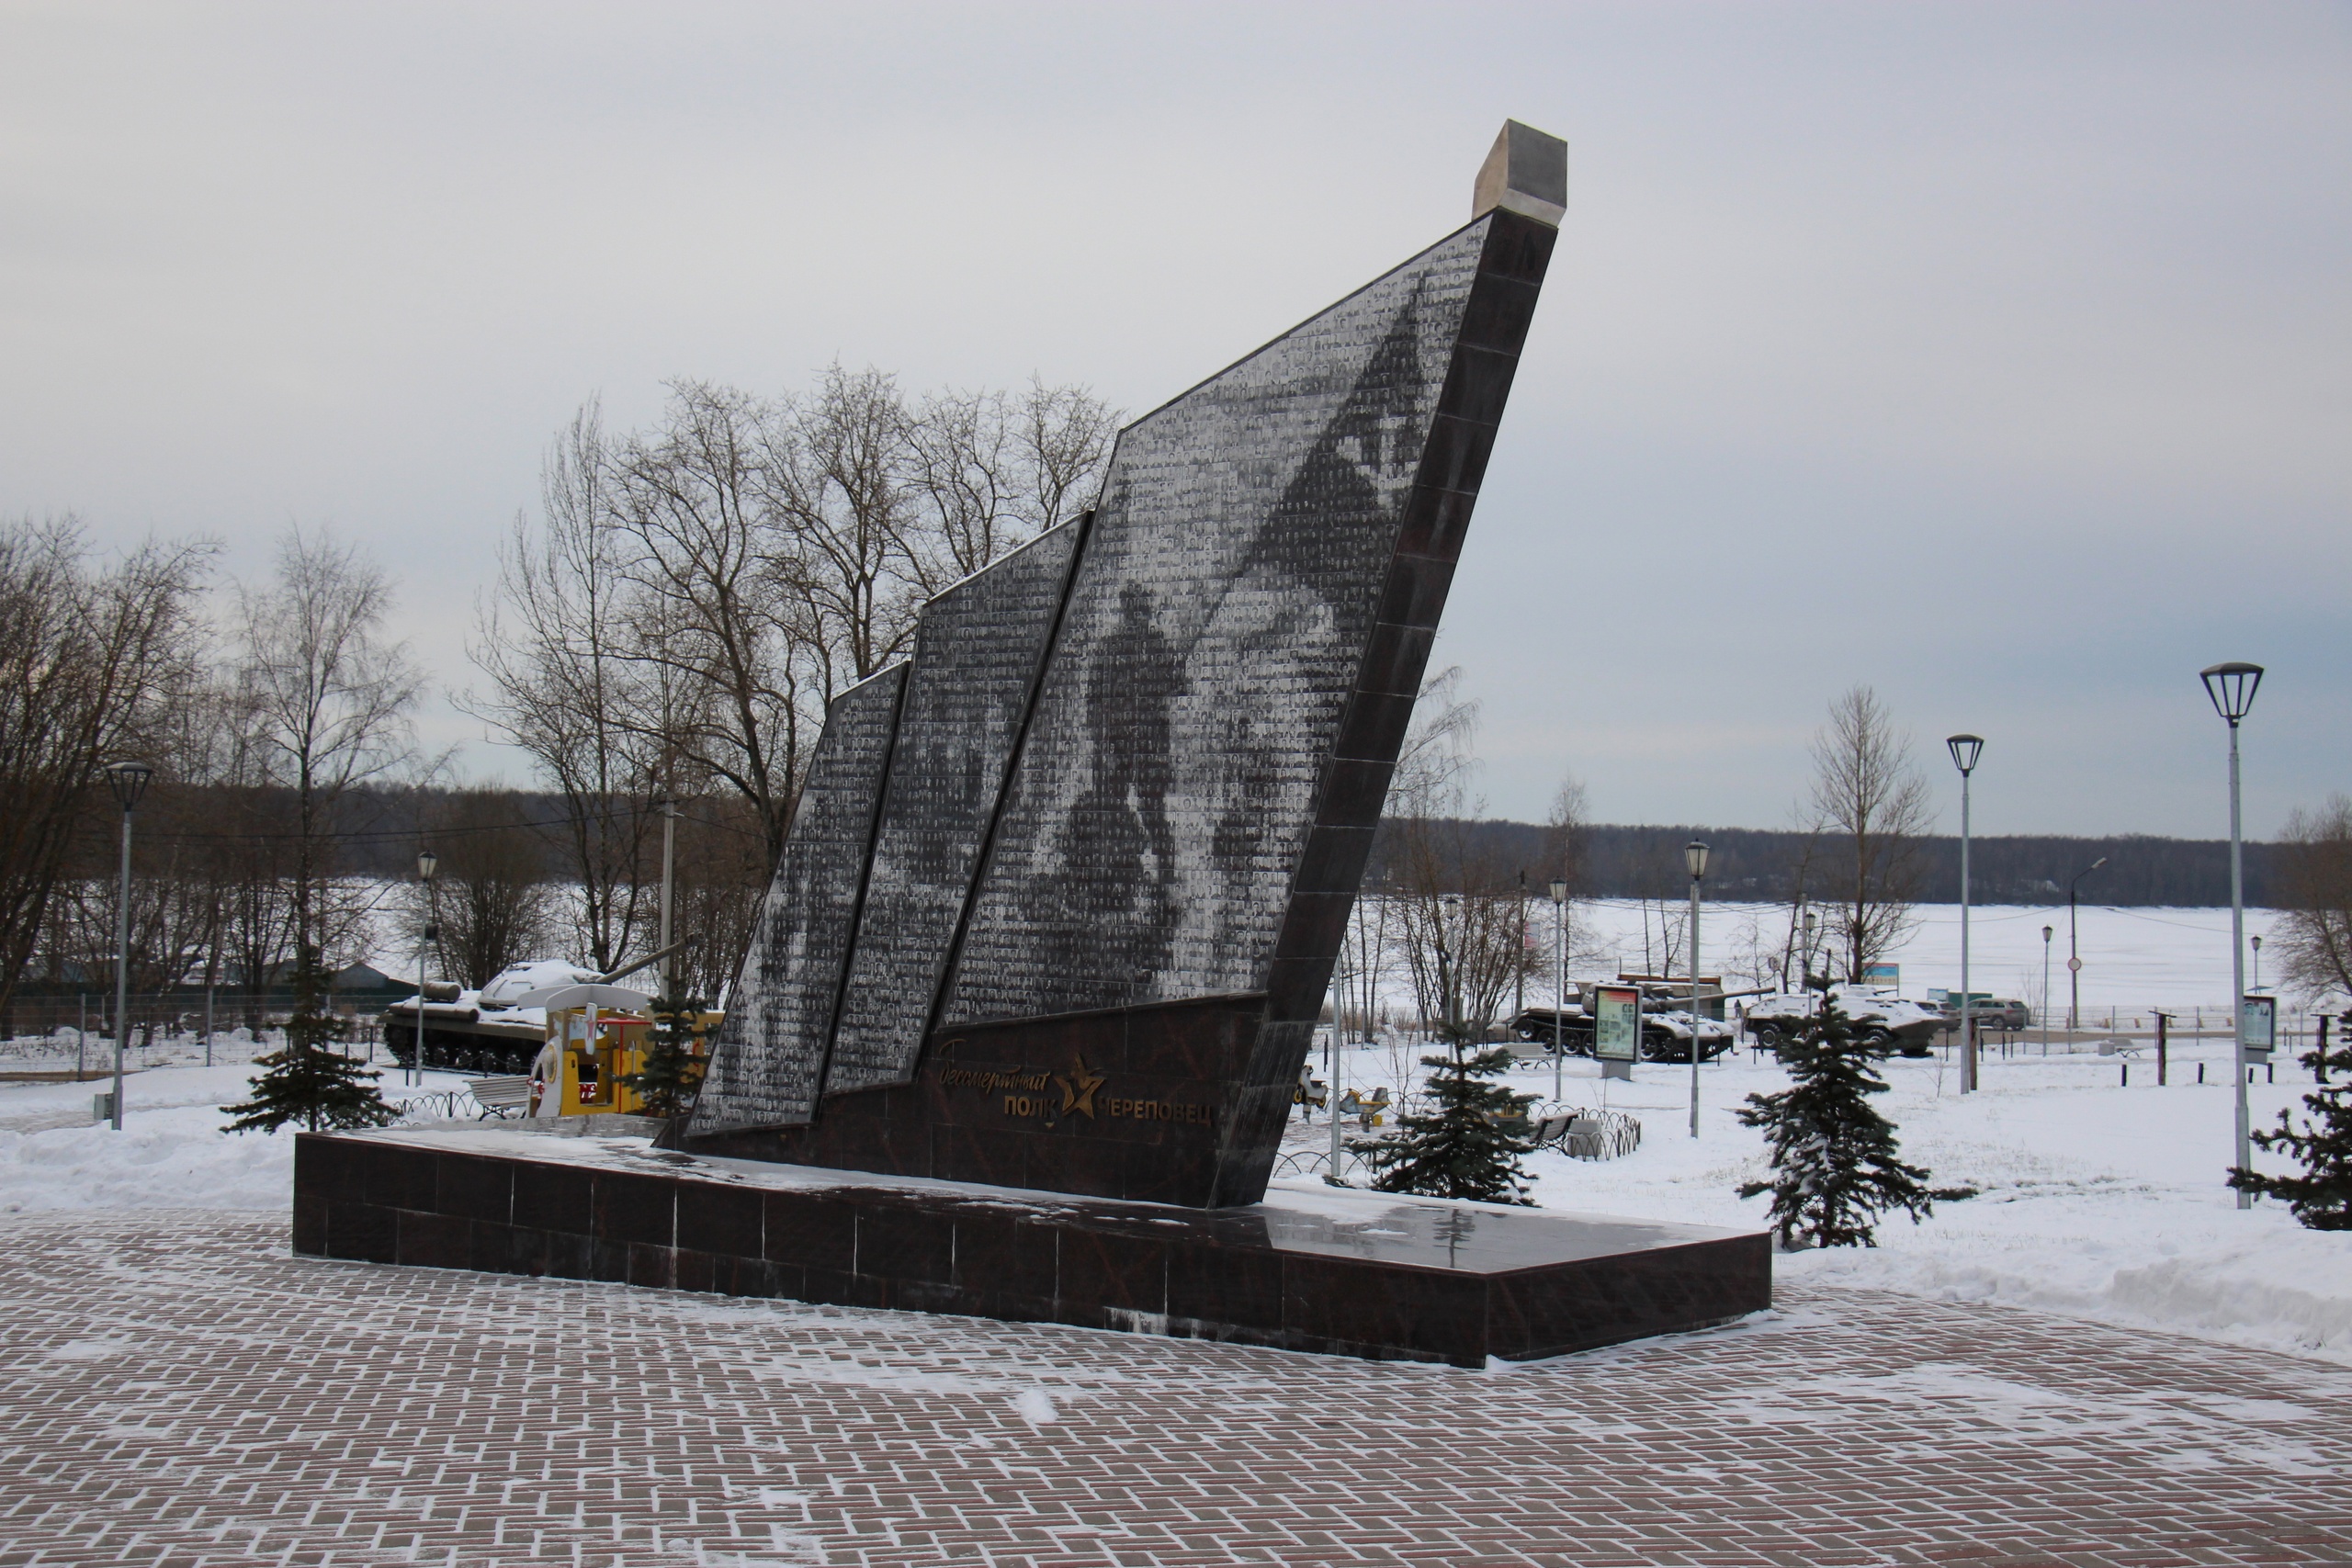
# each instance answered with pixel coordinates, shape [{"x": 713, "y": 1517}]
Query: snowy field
[{"x": 2095, "y": 1199}]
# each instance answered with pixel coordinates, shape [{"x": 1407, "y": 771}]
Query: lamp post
[
  {"x": 1805, "y": 975},
  {"x": 2074, "y": 958},
  {"x": 427, "y": 862},
  {"x": 2231, "y": 686},
  {"x": 2047, "y": 932},
  {"x": 1694, "y": 856},
  {"x": 2256, "y": 942},
  {"x": 1559, "y": 980},
  {"x": 128, "y": 782},
  {"x": 1965, "y": 749}
]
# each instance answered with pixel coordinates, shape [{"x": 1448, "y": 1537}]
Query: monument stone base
[{"x": 1328, "y": 1269}]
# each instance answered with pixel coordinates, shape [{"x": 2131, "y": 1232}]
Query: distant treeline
[
  {"x": 1620, "y": 862},
  {"x": 375, "y": 831},
  {"x": 1615, "y": 860}
]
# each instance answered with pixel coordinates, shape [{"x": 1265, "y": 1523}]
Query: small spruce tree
[
  {"x": 310, "y": 1080},
  {"x": 2321, "y": 1196},
  {"x": 1456, "y": 1150},
  {"x": 672, "y": 1071},
  {"x": 1834, "y": 1165}
]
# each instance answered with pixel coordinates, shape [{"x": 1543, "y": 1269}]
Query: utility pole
[
  {"x": 1519, "y": 970},
  {"x": 427, "y": 862},
  {"x": 668, "y": 807},
  {"x": 1560, "y": 980},
  {"x": 128, "y": 781},
  {"x": 1694, "y": 857},
  {"x": 2046, "y": 934}
]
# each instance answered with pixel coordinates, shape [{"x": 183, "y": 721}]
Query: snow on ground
[
  {"x": 170, "y": 1154},
  {"x": 2096, "y": 1199}
]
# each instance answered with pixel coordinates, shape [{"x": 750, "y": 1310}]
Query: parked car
[
  {"x": 1882, "y": 1018},
  {"x": 2001, "y": 1012},
  {"x": 1988, "y": 1011}
]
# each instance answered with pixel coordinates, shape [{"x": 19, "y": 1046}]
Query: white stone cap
[{"x": 1527, "y": 172}]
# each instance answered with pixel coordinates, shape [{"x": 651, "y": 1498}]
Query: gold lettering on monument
[{"x": 1041, "y": 1094}]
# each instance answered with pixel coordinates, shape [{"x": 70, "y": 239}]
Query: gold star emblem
[{"x": 1077, "y": 1089}]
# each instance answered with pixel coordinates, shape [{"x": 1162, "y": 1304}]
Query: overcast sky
[{"x": 1997, "y": 355}]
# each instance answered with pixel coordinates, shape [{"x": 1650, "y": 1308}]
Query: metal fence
[{"x": 156, "y": 1015}]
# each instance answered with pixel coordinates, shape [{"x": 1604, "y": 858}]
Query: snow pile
[
  {"x": 2251, "y": 1279},
  {"x": 2298, "y": 1280},
  {"x": 175, "y": 1158}
]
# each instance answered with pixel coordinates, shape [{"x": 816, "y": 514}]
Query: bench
[{"x": 501, "y": 1097}]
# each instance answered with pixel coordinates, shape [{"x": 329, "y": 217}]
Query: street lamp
[
  {"x": 1965, "y": 749},
  {"x": 1694, "y": 855},
  {"x": 2047, "y": 932},
  {"x": 128, "y": 781},
  {"x": 1805, "y": 976},
  {"x": 2231, "y": 686},
  {"x": 2074, "y": 958},
  {"x": 1559, "y": 980},
  {"x": 2256, "y": 942},
  {"x": 427, "y": 862}
]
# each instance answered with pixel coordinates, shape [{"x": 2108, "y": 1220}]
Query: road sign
[{"x": 2075, "y": 964}]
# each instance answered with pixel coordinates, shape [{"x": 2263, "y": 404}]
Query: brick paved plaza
[{"x": 179, "y": 1390}]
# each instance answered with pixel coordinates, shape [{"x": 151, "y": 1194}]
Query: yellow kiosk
[{"x": 596, "y": 1036}]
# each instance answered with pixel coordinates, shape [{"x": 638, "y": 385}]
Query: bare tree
[
  {"x": 733, "y": 666},
  {"x": 328, "y": 700},
  {"x": 846, "y": 541},
  {"x": 723, "y": 877},
  {"x": 1458, "y": 914},
  {"x": 91, "y": 661},
  {"x": 1067, "y": 436},
  {"x": 1868, "y": 799},
  {"x": 490, "y": 893},
  {"x": 2313, "y": 934},
  {"x": 1564, "y": 826},
  {"x": 560, "y": 642},
  {"x": 989, "y": 471},
  {"x": 694, "y": 595},
  {"x": 1791, "y": 969}
]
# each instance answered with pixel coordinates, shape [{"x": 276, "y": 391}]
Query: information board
[
  {"x": 1617, "y": 1023},
  {"x": 2261, "y": 1023}
]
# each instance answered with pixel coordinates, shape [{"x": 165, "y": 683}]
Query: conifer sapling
[
  {"x": 1833, "y": 1157},
  {"x": 671, "y": 1073},
  {"x": 1457, "y": 1149},
  {"x": 2321, "y": 1196},
  {"x": 310, "y": 1080}
]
